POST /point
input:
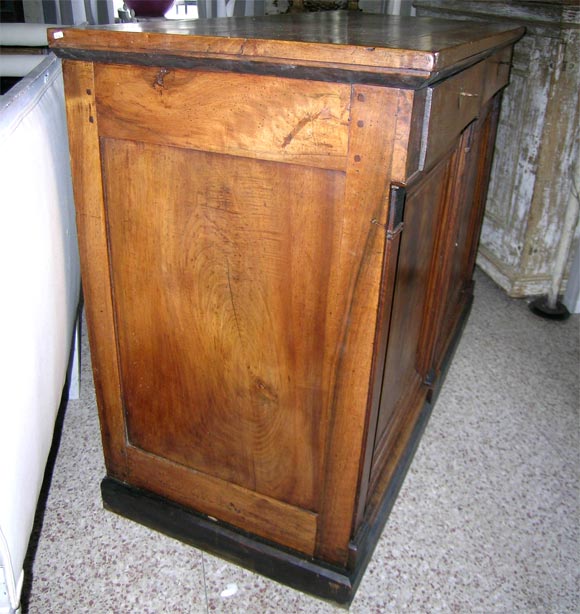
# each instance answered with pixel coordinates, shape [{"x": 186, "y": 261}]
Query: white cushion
[{"x": 40, "y": 290}]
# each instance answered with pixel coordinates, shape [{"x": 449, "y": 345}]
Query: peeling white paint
[{"x": 537, "y": 141}]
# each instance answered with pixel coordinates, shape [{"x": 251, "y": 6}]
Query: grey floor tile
[{"x": 488, "y": 520}]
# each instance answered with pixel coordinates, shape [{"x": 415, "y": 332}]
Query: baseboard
[{"x": 273, "y": 561}]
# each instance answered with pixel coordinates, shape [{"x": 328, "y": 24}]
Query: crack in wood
[{"x": 233, "y": 302}]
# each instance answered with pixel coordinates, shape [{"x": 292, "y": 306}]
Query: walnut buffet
[{"x": 278, "y": 219}]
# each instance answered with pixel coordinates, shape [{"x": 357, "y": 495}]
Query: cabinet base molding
[
  {"x": 220, "y": 539},
  {"x": 506, "y": 277},
  {"x": 275, "y": 562}
]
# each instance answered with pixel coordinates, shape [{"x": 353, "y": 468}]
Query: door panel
[{"x": 460, "y": 224}]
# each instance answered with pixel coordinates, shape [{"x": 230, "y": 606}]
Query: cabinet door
[
  {"x": 433, "y": 287},
  {"x": 403, "y": 391},
  {"x": 451, "y": 287}
]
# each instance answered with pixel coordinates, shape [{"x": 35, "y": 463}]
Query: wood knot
[{"x": 265, "y": 390}]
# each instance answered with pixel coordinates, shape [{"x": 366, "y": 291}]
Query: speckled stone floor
[{"x": 488, "y": 519}]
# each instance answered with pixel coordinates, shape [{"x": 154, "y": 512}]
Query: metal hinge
[
  {"x": 396, "y": 210},
  {"x": 394, "y": 225},
  {"x": 430, "y": 377},
  {"x": 391, "y": 234}
]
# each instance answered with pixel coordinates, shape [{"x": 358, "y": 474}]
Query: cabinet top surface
[{"x": 343, "y": 38}]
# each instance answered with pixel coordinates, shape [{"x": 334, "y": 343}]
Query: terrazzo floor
[{"x": 487, "y": 521}]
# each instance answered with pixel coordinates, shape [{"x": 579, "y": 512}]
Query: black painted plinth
[{"x": 227, "y": 542}]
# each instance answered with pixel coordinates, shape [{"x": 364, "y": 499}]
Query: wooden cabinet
[{"x": 278, "y": 220}]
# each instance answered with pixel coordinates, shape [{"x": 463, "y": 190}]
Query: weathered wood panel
[
  {"x": 537, "y": 140},
  {"x": 304, "y": 122}
]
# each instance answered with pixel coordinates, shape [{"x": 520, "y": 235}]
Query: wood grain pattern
[
  {"x": 348, "y": 38},
  {"x": 354, "y": 286},
  {"x": 304, "y": 122},
  {"x": 92, "y": 237},
  {"x": 271, "y": 519},
  {"x": 220, "y": 281},
  {"x": 408, "y": 125},
  {"x": 264, "y": 329}
]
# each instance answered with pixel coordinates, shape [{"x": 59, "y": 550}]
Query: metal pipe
[{"x": 563, "y": 252}]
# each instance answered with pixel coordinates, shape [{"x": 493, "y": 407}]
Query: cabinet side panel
[
  {"x": 220, "y": 267},
  {"x": 92, "y": 237}
]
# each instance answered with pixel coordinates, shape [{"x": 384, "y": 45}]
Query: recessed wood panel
[
  {"x": 302, "y": 122},
  {"x": 220, "y": 269}
]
